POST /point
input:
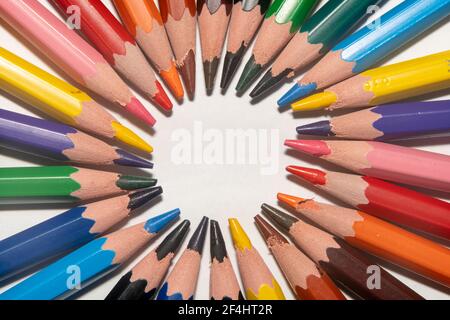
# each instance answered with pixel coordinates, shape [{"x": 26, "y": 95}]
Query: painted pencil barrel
[
  {"x": 64, "y": 184},
  {"x": 89, "y": 263},
  {"x": 66, "y": 231}
]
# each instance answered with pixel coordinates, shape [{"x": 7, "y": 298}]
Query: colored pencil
[
  {"x": 117, "y": 46},
  {"x": 71, "y": 53},
  {"x": 56, "y": 184},
  {"x": 386, "y": 122},
  {"x": 213, "y": 17},
  {"x": 306, "y": 280},
  {"x": 378, "y": 237},
  {"x": 89, "y": 263},
  {"x": 369, "y": 45},
  {"x": 246, "y": 17},
  {"x": 258, "y": 281},
  {"x": 282, "y": 20},
  {"x": 182, "y": 281},
  {"x": 143, "y": 21},
  {"x": 143, "y": 281},
  {"x": 381, "y": 160},
  {"x": 61, "y": 100},
  {"x": 223, "y": 284},
  {"x": 382, "y": 199},
  {"x": 333, "y": 21},
  {"x": 59, "y": 142},
  {"x": 345, "y": 264},
  {"x": 179, "y": 19},
  {"x": 67, "y": 231},
  {"x": 385, "y": 84}
]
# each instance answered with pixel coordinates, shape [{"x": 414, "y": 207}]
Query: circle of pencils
[
  {"x": 305, "y": 278},
  {"x": 381, "y": 160},
  {"x": 143, "y": 280},
  {"x": 342, "y": 262},
  {"x": 369, "y": 45},
  {"x": 59, "y": 142},
  {"x": 93, "y": 261},
  {"x": 316, "y": 37},
  {"x": 71, "y": 53},
  {"x": 53, "y": 184},
  {"x": 182, "y": 280},
  {"x": 382, "y": 199},
  {"x": 143, "y": 20},
  {"x": 378, "y": 237},
  {"x": 66, "y": 231}
]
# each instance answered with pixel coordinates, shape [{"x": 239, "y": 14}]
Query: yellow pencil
[
  {"x": 385, "y": 84},
  {"x": 61, "y": 100},
  {"x": 258, "y": 281}
]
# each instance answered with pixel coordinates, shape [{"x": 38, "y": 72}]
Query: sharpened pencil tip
[
  {"x": 251, "y": 71},
  {"x": 127, "y": 136},
  {"x": 161, "y": 99},
  {"x": 289, "y": 200},
  {"x": 319, "y": 128},
  {"x": 284, "y": 220},
  {"x": 210, "y": 71},
  {"x": 198, "y": 238},
  {"x": 136, "y": 108},
  {"x": 267, "y": 231},
  {"x": 315, "y": 148},
  {"x": 240, "y": 238},
  {"x": 127, "y": 182},
  {"x": 230, "y": 65},
  {"x": 315, "y": 102},
  {"x": 187, "y": 71},
  {"x": 296, "y": 92},
  {"x": 217, "y": 244},
  {"x": 141, "y": 197},
  {"x": 156, "y": 224},
  {"x": 267, "y": 82},
  {"x": 313, "y": 176},
  {"x": 172, "y": 242},
  {"x": 172, "y": 78},
  {"x": 130, "y": 160}
]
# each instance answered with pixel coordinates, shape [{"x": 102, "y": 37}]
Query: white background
[{"x": 218, "y": 191}]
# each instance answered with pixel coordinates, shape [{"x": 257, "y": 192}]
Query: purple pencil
[
  {"x": 59, "y": 142},
  {"x": 386, "y": 122}
]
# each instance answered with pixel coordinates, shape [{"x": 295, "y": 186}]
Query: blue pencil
[
  {"x": 89, "y": 263},
  {"x": 66, "y": 231},
  {"x": 368, "y": 46},
  {"x": 386, "y": 122}
]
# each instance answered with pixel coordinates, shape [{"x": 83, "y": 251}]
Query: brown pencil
[
  {"x": 213, "y": 17},
  {"x": 306, "y": 280},
  {"x": 223, "y": 283},
  {"x": 342, "y": 262},
  {"x": 179, "y": 17}
]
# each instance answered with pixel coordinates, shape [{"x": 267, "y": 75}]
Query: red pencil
[
  {"x": 383, "y": 199},
  {"x": 117, "y": 47}
]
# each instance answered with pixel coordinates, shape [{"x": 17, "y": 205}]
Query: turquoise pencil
[
  {"x": 89, "y": 263},
  {"x": 369, "y": 45}
]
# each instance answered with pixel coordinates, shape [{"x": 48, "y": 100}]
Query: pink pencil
[
  {"x": 71, "y": 53},
  {"x": 381, "y": 160}
]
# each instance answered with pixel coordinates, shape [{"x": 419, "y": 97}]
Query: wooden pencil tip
[
  {"x": 240, "y": 238},
  {"x": 268, "y": 232},
  {"x": 187, "y": 71},
  {"x": 313, "y": 176},
  {"x": 289, "y": 200}
]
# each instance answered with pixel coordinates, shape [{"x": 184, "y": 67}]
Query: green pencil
[
  {"x": 325, "y": 28},
  {"x": 64, "y": 184},
  {"x": 281, "y": 22}
]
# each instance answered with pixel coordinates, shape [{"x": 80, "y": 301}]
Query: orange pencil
[
  {"x": 378, "y": 237},
  {"x": 143, "y": 20}
]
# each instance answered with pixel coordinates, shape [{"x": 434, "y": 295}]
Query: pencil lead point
[
  {"x": 284, "y": 220},
  {"x": 251, "y": 71},
  {"x": 156, "y": 224},
  {"x": 127, "y": 182},
  {"x": 240, "y": 238},
  {"x": 130, "y": 160},
  {"x": 210, "y": 71},
  {"x": 161, "y": 99},
  {"x": 217, "y": 245},
  {"x": 187, "y": 71},
  {"x": 298, "y": 91},
  {"x": 173, "y": 241},
  {"x": 313, "y": 176},
  {"x": 319, "y": 128},
  {"x": 172, "y": 78},
  {"x": 230, "y": 65},
  {"x": 315, "y": 102},
  {"x": 315, "y": 148},
  {"x": 289, "y": 200},
  {"x": 141, "y": 197},
  {"x": 268, "y": 232},
  {"x": 127, "y": 136},
  {"x": 136, "y": 108},
  {"x": 267, "y": 82},
  {"x": 198, "y": 238}
]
